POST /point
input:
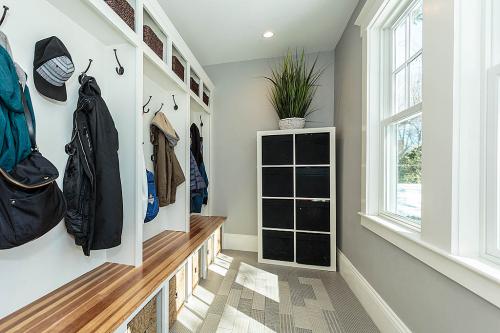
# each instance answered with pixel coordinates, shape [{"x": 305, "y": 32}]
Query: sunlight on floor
[
  {"x": 258, "y": 280},
  {"x": 197, "y": 306},
  {"x": 203, "y": 295},
  {"x": 189, "y": 319},
  {"x": 216, "y": 268},
  {"x": 235, "y": 321},
  {"x": 225, "y": 258},
  {"x": 221, "y": 264}
]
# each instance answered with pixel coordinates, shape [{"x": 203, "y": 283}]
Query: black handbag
[{"x": 31, "y": 203}]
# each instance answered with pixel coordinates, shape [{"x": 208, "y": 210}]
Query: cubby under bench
[{"x": 114, "y": 297}]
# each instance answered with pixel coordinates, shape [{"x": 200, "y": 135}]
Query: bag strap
[{"x": 29, "y": 121}]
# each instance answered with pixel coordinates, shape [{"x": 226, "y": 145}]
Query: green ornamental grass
[{"x": 294, "y": 85}]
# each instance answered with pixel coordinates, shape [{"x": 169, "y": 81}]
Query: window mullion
[{"x": 408, "y": 113}]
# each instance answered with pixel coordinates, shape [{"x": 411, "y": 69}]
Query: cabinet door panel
[
  {"x": 313, "y": 249},
  {"x": 277, "y": 182},
  {"x": 313, "y": 215},
  {"x": 313, "y": 182},
  {"x": 312, "y": 148},
  {"x": 277, "y": 213},
  {"x": 277, "y": 150},
  {"x": 180, "y": 282},
  {"x": 196, "y": 268},
  {"x": 277, "y": 245}
]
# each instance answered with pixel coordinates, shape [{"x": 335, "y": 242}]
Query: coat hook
[
  {"x": 201, "y": 122},
  {"x": 159, "y": 109},
  {"x": 84, "y": 73},
  {"x": 176, "y": 107},
  {"x": 144, "y": 107},
  {"x": 119, "y": 70},
  {"x": 5, "y": 9}
]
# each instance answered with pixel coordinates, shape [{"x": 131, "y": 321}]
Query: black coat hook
[
  {"x": 84, "y": 73},
  {"x": 201, "y": 122},
  {"x": 159, "y": 109},
  {"x": 144, "y": 107},
  {"x": 5, "y": 10},
  {"x": 119, "y": 70},
  {"x": 176, "y": 107}
]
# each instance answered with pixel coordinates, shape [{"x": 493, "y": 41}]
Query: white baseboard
[
  {"x": 239, "y": 242},
  {"x": 380, "y": 312}
]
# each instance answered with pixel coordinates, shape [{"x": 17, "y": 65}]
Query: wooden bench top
[{"x": 102, "y": 299}]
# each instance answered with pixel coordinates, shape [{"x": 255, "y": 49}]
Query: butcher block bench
[{"x": 107, "y": 298}]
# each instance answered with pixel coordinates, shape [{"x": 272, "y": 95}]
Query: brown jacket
[{"x": 168, "y": 171}]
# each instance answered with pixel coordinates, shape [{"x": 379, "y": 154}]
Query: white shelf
[
  {"x": 97, "y": 18},
  {"x": 162, "y": 72},
  {"x": 299, "y": 198},
  {"x": 199, "y": 102},
  {"x": 297, "y": 166}
]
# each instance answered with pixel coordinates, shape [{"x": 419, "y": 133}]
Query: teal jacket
[{"x": 15, "y": 143}]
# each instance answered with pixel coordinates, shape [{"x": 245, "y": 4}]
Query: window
[
  {"x": 492, "y": 130},
  {"x": 401, "y": 119}
]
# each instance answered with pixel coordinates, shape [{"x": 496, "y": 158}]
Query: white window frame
[
  {"x": 451, "y": 194},
  {"x": 490, "y": 221},
  {"x": 388, "y": 114}
]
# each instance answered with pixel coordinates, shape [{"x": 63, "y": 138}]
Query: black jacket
[{"x": 92, "y": 184}]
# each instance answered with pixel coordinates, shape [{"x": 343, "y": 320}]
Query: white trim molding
[
  {"x": 239, "y": 242},
  {"x": 479, "y": 276},
  {"x": 380, "y": 312}
]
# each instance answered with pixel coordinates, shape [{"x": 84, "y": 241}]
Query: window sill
[{"x": 479, "y": 276}]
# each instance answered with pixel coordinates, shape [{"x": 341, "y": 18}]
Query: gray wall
[
  {"x": 241, "y": 109},
  {"x": 423, "y": 298}
]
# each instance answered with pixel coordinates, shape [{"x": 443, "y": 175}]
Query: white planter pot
[{"x": 292, "y": 123}]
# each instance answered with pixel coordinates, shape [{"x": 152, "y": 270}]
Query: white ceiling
[{"x": 221, "y": 31}]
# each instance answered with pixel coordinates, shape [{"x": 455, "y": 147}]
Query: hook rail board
[{"x": 103, "y": 299}]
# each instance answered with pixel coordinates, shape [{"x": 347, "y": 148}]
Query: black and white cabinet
[{"x": 296, "y": 197}]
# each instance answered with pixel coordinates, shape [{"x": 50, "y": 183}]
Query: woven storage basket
[
  {"x": 172, "y": 309},
  {"x": 195, "y": 86},
  {"x": 177, "y": 67},
  {"x": 146, "y": 319},
  {"x": 152, "y": 40},
  {"x": 206, "y": 98},
  {"x": 124, "y": 10}
]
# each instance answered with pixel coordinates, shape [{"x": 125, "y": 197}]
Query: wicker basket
[
  {"x": 152, "y": 40},
  {"x": 172, "y": 309},
  {"x": 195, "y": 86},
  {"x": 177, "y": 67},
  {"x": 206, "y": 98},
  {"x": 124, "y": 10},
  {"x": 146, "y": 319}
]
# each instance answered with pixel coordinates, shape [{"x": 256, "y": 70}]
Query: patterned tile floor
[{"x": 241, "y": 295}]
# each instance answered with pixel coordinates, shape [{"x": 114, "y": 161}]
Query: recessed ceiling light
[{"x": 268, "y": 34}]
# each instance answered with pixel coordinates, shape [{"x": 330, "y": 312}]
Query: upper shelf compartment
[
  {"x": 179, "y": 64},
  {"x": 157, "y": 49},
  {"x": 100, "y": 20}
]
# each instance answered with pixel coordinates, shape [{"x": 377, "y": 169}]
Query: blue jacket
[{"x": 15, "y": 143}]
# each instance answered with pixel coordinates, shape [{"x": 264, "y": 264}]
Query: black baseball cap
[{"x": 52, "y": 67}]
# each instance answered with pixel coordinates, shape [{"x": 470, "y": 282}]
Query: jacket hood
[
  {"x": 89, "y": 87},
  {"x": 161, "y": 122}
]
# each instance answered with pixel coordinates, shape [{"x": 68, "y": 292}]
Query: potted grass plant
[{"x": 294, "y": 84}]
